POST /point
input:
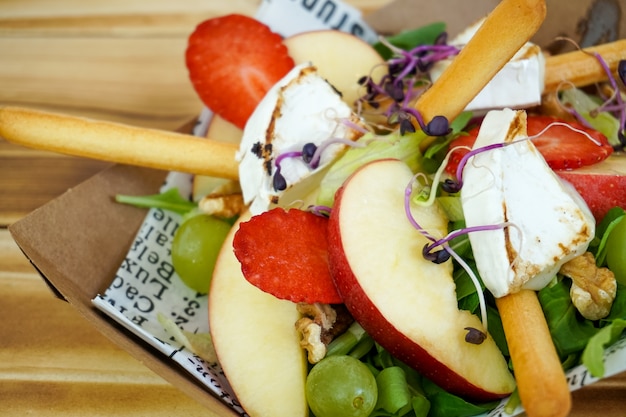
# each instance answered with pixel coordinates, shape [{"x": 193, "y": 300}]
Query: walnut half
[
  {"x": 593, "y": 289},
  {"x": 319, "y": 324},
  {"x": 224, "y": 201}
]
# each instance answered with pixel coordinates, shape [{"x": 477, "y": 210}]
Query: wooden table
[{"x": 117, "y": 60}]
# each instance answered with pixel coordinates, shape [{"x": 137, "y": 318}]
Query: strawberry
[
  {"x": 561, "y": 147},
  {"x": 602, "y": 185},
  {"x": 285, "y": 253},
  {"x": 233, "y": 61}
]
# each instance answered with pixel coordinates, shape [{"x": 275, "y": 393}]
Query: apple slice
[
  {"x": 256, "y": 341},
  {"x": 340, "y": 57},
  {"x": 406, "y": 303},
  {"x": 223, "y": 131},
  {"x": 602, "y": 185}
]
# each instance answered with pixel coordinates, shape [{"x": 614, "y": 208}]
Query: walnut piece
[
  {"x": 311, "y": 340},
  {"x": 319, "y": 324},
  {"x": 593, "y": 289},
  {"x": 224, "y": 206},
  {"x": 223, "y": 201}
]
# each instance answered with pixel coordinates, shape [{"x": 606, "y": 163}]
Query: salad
[{"x": 353, "y": 371}]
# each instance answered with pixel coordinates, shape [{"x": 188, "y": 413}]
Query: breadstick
[
  {"x": 116, "y": 142},
  {"x": 536, "y": 365},
  {"x": 505, "y": 30},
  {"x": 580, "y": 68},
  {"x": 540, "y": 379}
]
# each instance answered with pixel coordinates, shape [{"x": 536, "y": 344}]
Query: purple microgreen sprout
[
  {"x": 614, "y": 104},
  {"x": 617, "y": 97},
  {"x": 446, "y": 252},
  {"x": 308, "y": 152},
  {"x": 405, "y": 71},
  {"x": 311, "y": 155},
  {"x": 566, "y": 125},
  {"x": 439, "y": 250},
  {"x": 422, "y": 195},
  {"x": 451, "y": 185},
  {"x": 323, "y": 211},
  {"x": 467, "y": 156},
  {"x": 474, "y": 336},
  {"x": 317, "y": 156},
  {"x": 427, "y": 194},
  {"x": 619, "y": 106},
  {"x": 479, "y": 290},
  {"x": 278, "y": 181}
]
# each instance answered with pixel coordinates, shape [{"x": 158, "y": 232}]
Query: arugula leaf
[
  {"x": 496, "y": 330},
  {"x": 570, "y": 332},
  {"x": 409, "y": 39},
  {"x": 444, "y": 404},
  {"x": 603, "y": 230},
  {"x": 168, "y": 200},
  {"x": 465, "y": 289},
  {"x": 593, "y": 355}
]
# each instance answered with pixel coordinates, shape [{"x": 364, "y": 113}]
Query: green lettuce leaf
[
  {"x": 409, "y": 39},
  {"x": 586, "y": 105},
  {"x": 570, "y": 331},
  {"x": 168, "y": 200},
  {"x": 593, "y": 355},
  {"x": 404, "y": 148}
]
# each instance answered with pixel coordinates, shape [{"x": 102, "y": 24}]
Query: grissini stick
[
  {"x": 512, "y": 23},
  {"x": 116, "y": 142},
  {"x": 541, "y": 383},
  {"x": 540, "y": 378},
  {"x": 582, "y": 67}
]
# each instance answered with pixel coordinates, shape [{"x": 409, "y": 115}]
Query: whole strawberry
[{"x": 233, "y": 61}]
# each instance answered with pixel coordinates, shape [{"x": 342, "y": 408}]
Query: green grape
[
  {"x": 616, "y": 251},
  {"x": 195, "y": 248},
  {"x": 341, "y": 386}
]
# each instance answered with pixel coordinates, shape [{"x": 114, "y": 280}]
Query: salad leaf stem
[
  {"x": 344, "y": 343},
  {"x": 167, "y": 200},
  {"x": 393, "y": 391}
]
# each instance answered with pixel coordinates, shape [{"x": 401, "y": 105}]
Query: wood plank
[
  {"x": 136, "y": 81},
  {"x": 53, "y": 363},
  {"x": 25, "y": 9}
]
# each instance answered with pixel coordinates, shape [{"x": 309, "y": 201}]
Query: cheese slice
[
  {"x": 549, "y": 223},
  {"x": 518, "y": 84},
  {"x": 301, "y": 108}
]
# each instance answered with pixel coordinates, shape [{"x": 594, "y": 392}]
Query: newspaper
[{"x": 146, "y": 284}]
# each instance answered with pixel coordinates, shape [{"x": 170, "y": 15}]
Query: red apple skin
[
  {"x": 384, "y": 332},
  {"x": 602, "y": 186}
]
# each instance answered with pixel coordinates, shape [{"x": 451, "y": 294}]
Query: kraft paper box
[{"x": 91, "y": 251}]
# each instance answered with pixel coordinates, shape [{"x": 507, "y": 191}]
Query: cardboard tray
[{"x": 77, "y": 241}]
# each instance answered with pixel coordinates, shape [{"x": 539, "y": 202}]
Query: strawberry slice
[
  {"x": 285, "y": 253},
  {"x": 561, "y": 147},
  {"x": 233, "y": 61}
]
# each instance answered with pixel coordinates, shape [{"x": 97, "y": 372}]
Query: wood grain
[{"x": 114, "y": 60}]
